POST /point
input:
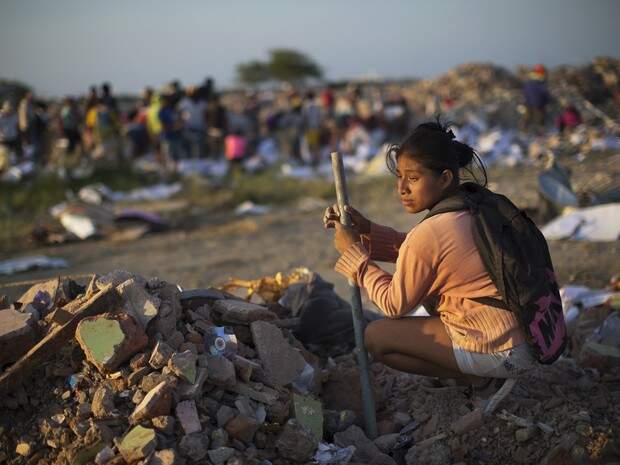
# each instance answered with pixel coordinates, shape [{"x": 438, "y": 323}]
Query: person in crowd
[
  {"x": 70, "y": 125},
  {"x": 217, "y": 126},
  {"x": 568, "y": 119},
  {"x": 537, "y": 98},
  {"x": 9, "y": 134},
  {"x": 25, "y": 113},
  {"x": 235, "y": 149},
  {"x": 171, "y": 130},
  {"x": 312, "y": 123},
  {"x": 194, "y": 114}
]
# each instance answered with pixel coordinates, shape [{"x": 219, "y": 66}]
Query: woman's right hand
[{"x": 360, "y": 223}]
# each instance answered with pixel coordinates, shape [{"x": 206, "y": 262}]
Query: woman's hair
[{"x": 434, "y": 146}]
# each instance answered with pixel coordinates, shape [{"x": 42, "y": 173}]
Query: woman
[{"x": 438, "y": 265}]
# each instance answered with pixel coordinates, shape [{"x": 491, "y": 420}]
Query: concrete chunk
[
  {"x": 221, "y": 371},
  {"x": 188, "y": 417},
  {"x": 137, "y": 444},
  {"x": 240, "y": 311},
  {"x": 138, "y": 302},
  {"x": 183, "y": 365},
  {"x": 309, "y": 412},
  {"x": 17, "y": 335},
  {"x": 160, "y": 356},
  {"x": 110, "y": 340},
  {"x": 157, "y": 402},
  {"x": 281, "y": 362}
]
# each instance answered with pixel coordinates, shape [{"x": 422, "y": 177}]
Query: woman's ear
[{"x": 446, "y": 179}]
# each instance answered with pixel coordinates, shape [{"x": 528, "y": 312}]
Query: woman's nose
[{"x": 402, "y": 186}]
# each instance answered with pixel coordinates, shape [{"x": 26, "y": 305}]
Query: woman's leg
[{"x": 417, "y": 345}]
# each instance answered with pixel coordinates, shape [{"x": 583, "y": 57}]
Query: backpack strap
[{"x": 467, "y": 197}]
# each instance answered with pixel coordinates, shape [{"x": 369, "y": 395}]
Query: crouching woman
[{"x": 437, "y": 265}]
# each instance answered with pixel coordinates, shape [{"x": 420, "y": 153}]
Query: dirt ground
[{"x": 205, "y": 250}]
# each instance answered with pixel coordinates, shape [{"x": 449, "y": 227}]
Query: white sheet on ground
[{"x": 598, "y": 223}]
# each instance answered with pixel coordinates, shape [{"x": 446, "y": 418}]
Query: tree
[
  {"x": 290, "y": 65},
  {"x": 253, "y": 72}
]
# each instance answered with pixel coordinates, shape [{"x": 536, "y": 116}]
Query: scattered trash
[
  {"x": 598, "y": 223},
  {"x": 19, "y": 265},
  {"x": 330, "y": 454},
  {"x": 250, "y": 208}
]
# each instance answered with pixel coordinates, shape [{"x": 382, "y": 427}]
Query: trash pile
[
  {"x": 129, "y": 370},
  {"x": 96, "y": 211}
]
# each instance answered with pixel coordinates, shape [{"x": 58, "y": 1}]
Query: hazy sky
[{"x": 63, "y": 46}]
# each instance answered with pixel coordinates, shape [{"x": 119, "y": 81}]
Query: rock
[
  {"x": 164, "y": 424},
  {"x": 151, "y": 380},
  {"x": 296, "y": 442},
  {"x": 281, "y": 362},
  {"x": 188, "y": 416},
  {"x": 430, "y": 427},
  {"x": 44, "y": 296},
  {"x": 468, "y": 422},
  {"x": 24, "y": 449},
  {"x": 600, "y": 356},
  {"x": 104, "y": 455},
  {"x": 219, "y": 438},
  {"x": 224, "y": 415},
  {"x": 137, "y": 444},
  {"x": 335, "y": 422},
  {"x": 17, "y": 335},
  {"x": 436, "y": 453},
  {"x": 110, "y": 340},
  {"x": 256, "y": 391},
  {"x": 103, "y": 403},
  {"x": 524, "y": 434},
  {"x": 187, "y": 391},
  {"x": 243, "y": 428},
  {"x": 139, "y": 303},
  {"x": 309, "y": 412},
  {"x": 157, "y": 402},
  {"x": 240, "y": 311},
  {"x": 135, "y": 377},
  {"x": 386, "y": 427},
  {"x": 221, "y": 371},
  {"x": 116, "y": 278},
  {"x": 386, "y": 442},
  {"x": 558, "y": 456},
  {"x": 140, "y": 360},
  {"x": 365, "y": 449},
  {"x": 342, "y": 390},
  {"x": 164, "y": 457},
  {"x": 194, "y": 446},
  {"x": 401, "y": 419},
  {"x": 175, "y": 340},
  {"x": 220, "y": 455},
  {"x": 183, "y": 365},
  {"x": 160, "y": 355}
]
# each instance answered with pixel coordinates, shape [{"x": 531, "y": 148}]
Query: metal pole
[{"x": 356, "y": 305}]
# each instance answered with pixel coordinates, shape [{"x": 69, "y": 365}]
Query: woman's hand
[
  {"x": 360, "y": 223},
  {"x": 345, "y": 237}
]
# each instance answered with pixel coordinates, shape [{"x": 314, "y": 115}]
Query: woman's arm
[
  {"x": 395, "y": 295},
  {"x": 383, "y": 242}
]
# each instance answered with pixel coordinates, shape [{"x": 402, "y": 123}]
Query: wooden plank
[{"x": 107, "y": 300}]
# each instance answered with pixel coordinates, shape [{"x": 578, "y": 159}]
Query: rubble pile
[
  {"x": 479, "y": 87},
  {"x": 130, "y": 370}
]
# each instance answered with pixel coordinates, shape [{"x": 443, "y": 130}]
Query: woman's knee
[{"x": 372, "y": 338}]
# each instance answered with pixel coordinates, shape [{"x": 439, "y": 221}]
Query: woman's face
[{"x": 420, "y": 188}]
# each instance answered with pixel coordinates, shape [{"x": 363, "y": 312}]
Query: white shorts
[{"x": 509, "y": 363}]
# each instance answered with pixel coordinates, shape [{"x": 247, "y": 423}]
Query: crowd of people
[{"x": 196, "y": 122}]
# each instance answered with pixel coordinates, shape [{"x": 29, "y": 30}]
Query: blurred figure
[
  {"x": 217, "y": 126},
  {"x": 106, "y": 130},
  {"x": 312, "y": 119},
  {"x": 193, "y": 112},
  {"x": 9, "y": 134},
  {"x": 25, "y": 114},
  {"x": 235, "y": 149},
  {"x": 69, "y": 121},
  {"x": 171, "y": 130},
  {"x": 568, "y": 119},
  {"x": 537, "y": 98},
  {"x": 108, "y": 99}
]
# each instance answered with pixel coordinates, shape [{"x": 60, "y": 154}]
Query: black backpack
[{"x": 516, "y": 256}]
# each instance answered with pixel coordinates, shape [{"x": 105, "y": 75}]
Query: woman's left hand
[{"x": 344, "y": 237}]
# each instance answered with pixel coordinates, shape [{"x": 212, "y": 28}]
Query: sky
[{"x": 63, "y": 46}]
